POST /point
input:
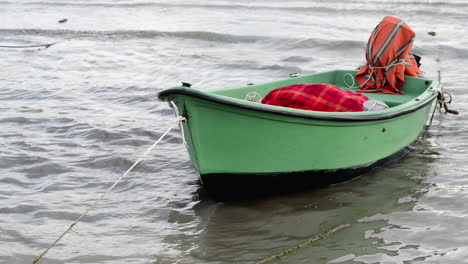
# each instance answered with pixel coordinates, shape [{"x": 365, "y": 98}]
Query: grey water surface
[{"x": 75, "y": 116}]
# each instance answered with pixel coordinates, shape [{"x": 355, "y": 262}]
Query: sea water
[{"x": 75, "y": 116}]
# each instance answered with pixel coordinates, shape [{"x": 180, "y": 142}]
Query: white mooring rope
[
  {"x": 351, "y": 86},
  {"x": 176, "y": 122}
]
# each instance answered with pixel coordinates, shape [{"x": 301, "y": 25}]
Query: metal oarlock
[
  {"x": 294, "y": 75},
  {"x": 443, "y": 102}
]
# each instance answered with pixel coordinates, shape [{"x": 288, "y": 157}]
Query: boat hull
[{"x": 228, "y": 140}]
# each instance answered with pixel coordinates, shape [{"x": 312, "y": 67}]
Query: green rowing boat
[{"x": 230, "y": 139}]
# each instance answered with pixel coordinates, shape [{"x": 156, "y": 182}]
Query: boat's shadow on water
[
  {"x": 255, "y": 225},
  {"x": 238, "y": 187}
]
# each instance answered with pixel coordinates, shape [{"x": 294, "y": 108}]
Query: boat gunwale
[{"x": 260, "y": 108}]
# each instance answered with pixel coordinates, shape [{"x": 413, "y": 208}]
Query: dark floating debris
[
  {"x": 63, "y": 20},
  {"x": 432, "y": 33}
]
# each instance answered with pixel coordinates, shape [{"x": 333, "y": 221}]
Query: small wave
[
  {"x": 15, "y": 181},
  {"x": 72, "y": 129},
  {"x": 290, "y": 43},
  {"x": 132, "y": 34},
  {"x": 27, "y": 109},
  {"x": 309, "y": 43},
  {"x": 279, "y": 42},
  {"x": 20, "y": 160},
  {"x": 118, "y": 164},
  {"x": 20, "y": 209},
  {"x": 144, "y": 133},
  {"x": 43, "y": 170},
  {"x": 101, "y": 135},
  {"x": 24, "y": 94},
  {"x": 130, "y": 142},
  {"x": 20, "y": 120},
  {"x": 252, "y": 65},
  {"x": 454, "y": 52},
  {"x": 297, "y": 59},
  {"x": 132, "y": 99},
  {"x": 173, "y": 139},
  {"x": 250, "y": 5},
  {"x": 281, "y": 68},
  {"x": 57, "y": 215},
  {"x": 27, "y": 146},
  {"x": 163, "y": 112},
  {"x": 110, "y": 162},
  {"x": 445, "y": 51}
]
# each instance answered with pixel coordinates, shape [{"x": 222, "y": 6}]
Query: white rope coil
[
  {"x": 351, "y": 86},
  {"x": 253, "y": 97}
]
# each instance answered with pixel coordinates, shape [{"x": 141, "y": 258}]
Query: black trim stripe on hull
[
  {"x": 238, "y": 186},
  {"x": 358, "y": 118}
]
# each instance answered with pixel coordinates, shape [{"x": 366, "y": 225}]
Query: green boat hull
[{"x": 226, "y": 135}]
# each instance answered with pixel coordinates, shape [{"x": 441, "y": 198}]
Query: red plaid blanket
[{"x": 316, "y": 97}]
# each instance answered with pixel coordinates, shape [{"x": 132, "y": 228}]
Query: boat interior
[{"x": 412, "y": 88}]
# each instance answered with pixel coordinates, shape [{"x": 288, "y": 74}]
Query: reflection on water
[{"x": 249, "y": 231}]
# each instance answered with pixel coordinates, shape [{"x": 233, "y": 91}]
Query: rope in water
[
  {"x": 452, "y": 188},
  {"x": 28, "y": 46},
  {"x": 430, "y": 122},
  {"x": 176, "y": 122},
  {"x": 303, "y": 244}
]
